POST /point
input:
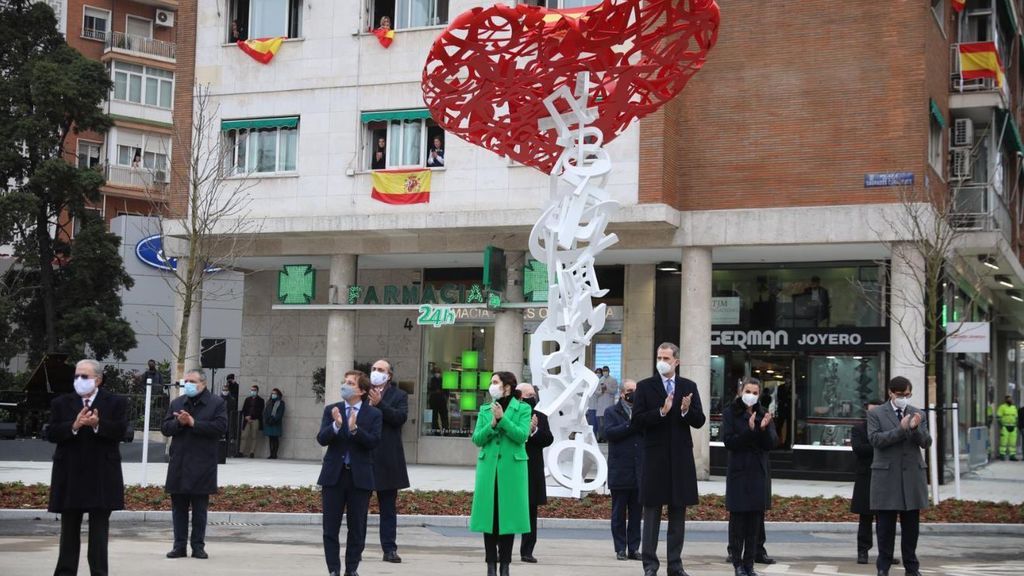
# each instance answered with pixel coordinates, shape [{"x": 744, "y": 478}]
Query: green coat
[{"x": 502, "y": 455}]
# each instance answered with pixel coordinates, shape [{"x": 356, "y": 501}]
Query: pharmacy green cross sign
[{"x": 296, "y": 284}]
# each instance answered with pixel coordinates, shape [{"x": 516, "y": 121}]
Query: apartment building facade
[{"x": 752, "y": 207}]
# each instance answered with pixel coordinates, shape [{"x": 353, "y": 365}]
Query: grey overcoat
[{"x": 898, "y": 473}]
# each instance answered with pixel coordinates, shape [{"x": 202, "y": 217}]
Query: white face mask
[
  {"x": 496, "y": 391},
  {"x": 900, "y": 403},
  {"x": 378, "y": 378},
  {"x": 749, "y": 398},
  {"x": 85, "y": 386},
  {"x": 664, "y": 368}
]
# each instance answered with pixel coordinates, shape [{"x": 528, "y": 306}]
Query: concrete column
[
  {"x": 638, "y": 322},
  {"x": 341, "y": 329},
  {"x": 695, "y": 341},
  {"x": 508, "y": 324},
  {"x": 907, "y": 327}
]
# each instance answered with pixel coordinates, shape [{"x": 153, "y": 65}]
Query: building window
[
  {"x": 264, "y": 19},
  {"x": 403, "y": 138},
  {"x": 76, "y": 226},
  {"x": 138, "y": 27},
  {"x": 406, "y": 14},
  {"x": 458, "y": 373},
  {"x": 143, "y": 85},
  {"x": 88, "y": 154},
  {"x": 935, "y": 144},
  {"x": 95, "y": 23},
  {"x": 262, "y": 145},
  {"x": 939, "y": 10}
]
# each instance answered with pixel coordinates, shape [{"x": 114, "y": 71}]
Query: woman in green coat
[{"x": 501, "y": 499}]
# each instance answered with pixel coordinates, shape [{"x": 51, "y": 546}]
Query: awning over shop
[
  {"x": 389, "y": 115},
  {"x": 256, "y": 123}
]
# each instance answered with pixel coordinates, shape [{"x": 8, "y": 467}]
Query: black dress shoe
[
  {"x": 351, "y": 573},
  {"x": 492, "y": 569},
  {"x": 740, "y": 571},
  {"x": 862, "y": 557},
  {"x": 895, "y": 561},
  {"x": 764, "y": 559},
  {"x": 392, "y": 557},
  {"x": 633, "y": 556},
  {"x": 621, "y": 555},
  {"x": 529, "y": 559},
  {"x": 503, "y": 569},
  {"x": 177, "y": 553},
  {"x": 883, "y": 573},
  {"x": 752, "y": 572},
  {"x": 913, "y": 573},
  {"x": 200, "y": 553}
]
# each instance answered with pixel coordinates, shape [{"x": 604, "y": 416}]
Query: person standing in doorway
[
  {"x": 252, "y": 422},
  {"x": 273, "y": 422},
  {"x": 625, "y": 463},
  {"x": 86, "y": 426},
  {"x": 666, "y": 409},
  {"x": 195, "y": 422},
  {"x": 390, "y": 473},
  {"x": 899, "y": 486},
  {"x": 540, "y": 438}
]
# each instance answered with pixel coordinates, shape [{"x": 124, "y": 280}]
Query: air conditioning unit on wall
[
  {"x": 963, "y": 132},
  {"x": 960, "y": 163},
  {"x": 164, "y": 18}
]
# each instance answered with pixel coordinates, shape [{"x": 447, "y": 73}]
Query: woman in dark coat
[
  {"x": 273, "y": 419},
  {"x": 749, "y": 434}
]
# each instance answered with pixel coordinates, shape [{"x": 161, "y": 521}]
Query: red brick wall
[
  {"x": 798, "y": 100},
  {"x": 184, "y": 77},
  {"x": 120, "y": 9}
]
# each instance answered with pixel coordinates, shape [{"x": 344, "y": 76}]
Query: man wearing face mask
[
  {"x": 625, "y": 461},
  {"x": 389, "y": 470},
  {"x": 231, "y": 407},
  {"x": 666, "y": 408},
  {"x": 195, "y": 422},
  {"x": 899, "y": 485},
  {"x": 539, "y": 439},
  {"x": 350, "y": 430},
  {"x": 86, "y": 426},
  {"x": 252, "y": 422}
]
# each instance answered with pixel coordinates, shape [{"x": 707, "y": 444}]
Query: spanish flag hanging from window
[
  {"x": 261, "y": 50},
  {"x": 385, "y": 36},
  {"x": 958, "y": 5},
  {"x": 981, "y": 60},
  {"x": 401, "y": 186}
]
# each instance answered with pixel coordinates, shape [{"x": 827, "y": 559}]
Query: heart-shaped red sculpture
[{"x": 488, "y": 73}]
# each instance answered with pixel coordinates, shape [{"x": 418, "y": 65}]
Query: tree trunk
[{"x": 44, "y": 250}]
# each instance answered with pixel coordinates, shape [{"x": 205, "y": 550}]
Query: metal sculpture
[{"x": 548, "y": 88}]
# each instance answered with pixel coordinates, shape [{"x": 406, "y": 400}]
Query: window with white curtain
[
  {"x": 407, "y": 143},
  {"x": 261, "y": 145},
  {"x": 143, "y": 84},
  {"x": 263, "y": 19},
  {"x": 410, "y": 13}
]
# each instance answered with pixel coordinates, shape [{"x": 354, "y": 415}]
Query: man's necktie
[
  {"x": 670, "y": 385},
  {"x": 86, "y": 402},
  {"x": 899, "y": 414}
]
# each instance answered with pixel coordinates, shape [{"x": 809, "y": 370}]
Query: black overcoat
[
  {"x": 747, "y": 477},
  {"x": 669, "y": 475},
  {"x": 389, "y": 469},
  {"x": 194, "y": 456},
  {"x": 865, "y": 453},
  {"x": 535, "y": 446},
  {"x": 87, "y": 466},
  {"x": 625, "y": 449}
]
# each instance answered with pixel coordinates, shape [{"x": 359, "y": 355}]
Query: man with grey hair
[
  {"x": 625, "y": 461},
  {"x": 86, "y": 425},
  {"x": 390, "y": 473},
  {"x": 195, "y": 422}
]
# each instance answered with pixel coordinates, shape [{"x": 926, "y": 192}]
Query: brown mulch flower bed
[{"x": 443, "y": 503}]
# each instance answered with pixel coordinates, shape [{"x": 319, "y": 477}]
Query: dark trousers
[
  {"x": 70, "y": 542},
  {"x": 275, "y": 443},
  {"x": 626, "y": 515},
  {"x": 864, "y": 538},
  {"x": 910, "y": 525},
  {"x": 497, "y": 546},
  {"x": 744, "y": 537},
  {"x": 676, "y": 534},
  {"x": 762, "y": 552},
  {"x": 341, "y": 499},
  {"x": 387, "y": 501},
  {"x": 180, "y": 503},
  {"x": 529, "y": 541}
]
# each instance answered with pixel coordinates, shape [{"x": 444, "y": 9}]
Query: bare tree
[{"x": 212, "y": 222}]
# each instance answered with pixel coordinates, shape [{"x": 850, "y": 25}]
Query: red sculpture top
[{"x": 488, "y": 73}]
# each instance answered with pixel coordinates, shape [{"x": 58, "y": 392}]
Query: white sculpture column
[
  {"x": 638, "y": 323},
  {"x": 508, "y": 324},
  {"x": 695, "y": 341},
  {"x": 906, "y": 326},
  {"x": 341, "y": 329}
]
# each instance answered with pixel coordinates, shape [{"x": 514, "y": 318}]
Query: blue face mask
[{"x": 191, "y": 389}]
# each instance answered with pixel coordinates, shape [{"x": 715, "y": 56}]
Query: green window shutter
[
  {"x": 1011, "y": 136},
  {"x": 936, "y": 113},
  {"x": 388, "y": 115},
  {"x": 254, "y": 123}
]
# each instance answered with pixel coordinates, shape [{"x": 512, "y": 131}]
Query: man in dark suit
[
  {"x": 666, "y": 408},
  {"x": 252, "y": 422},
  {"x": 390, "y": 473},
  {"x": 86, "y": 476},
  {"x": 350, "y": 430},
  {"x": 539, "y": 439},
  {"x": 195, "y": 421},
  {"x": 625, "y": 461},
  {"x": 899, "y": 485}
]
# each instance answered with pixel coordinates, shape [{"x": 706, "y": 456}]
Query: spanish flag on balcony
[
  {"x": 981, "y": 60},
  {"x": 261, "y": 50},
  {"x": 959, "y": 5},
  {"x": 401, "y": 186},
  {"x": 385, "y": 36}
]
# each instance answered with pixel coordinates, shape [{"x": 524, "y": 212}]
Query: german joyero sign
[{"x": 801, "y": 339}]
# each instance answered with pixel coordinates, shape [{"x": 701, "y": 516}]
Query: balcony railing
[
  {"x": 979, "y": 207},
  {"x": 959, "y": 84},
  {"x": 137, "y": 177},
  {"x": 140, "y": 45}
]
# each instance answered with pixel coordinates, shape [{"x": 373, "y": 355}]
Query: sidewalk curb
[{"x": 283, "y": 519}]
